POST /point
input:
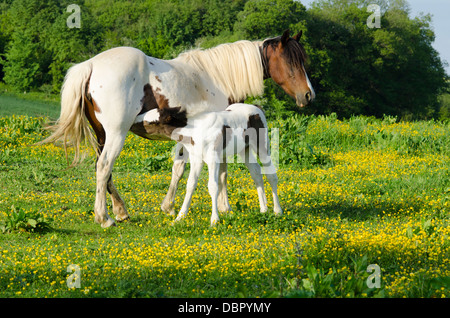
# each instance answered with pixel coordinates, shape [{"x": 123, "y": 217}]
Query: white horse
[
  {"x": 211, "y": 137},
  {"x": 115, "y": 89}
]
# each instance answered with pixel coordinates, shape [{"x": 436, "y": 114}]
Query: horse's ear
[
  {"x": 285, "y": 37},
  {"x": 298, "y": 36}
]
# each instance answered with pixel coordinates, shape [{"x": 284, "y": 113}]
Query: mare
[{"x": 105, "y": 97}]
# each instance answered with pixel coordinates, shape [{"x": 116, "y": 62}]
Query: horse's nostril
[{"x": 308, "y": 96}]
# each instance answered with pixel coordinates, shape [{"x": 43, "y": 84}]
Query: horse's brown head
[{"x": 283, "y": 60}]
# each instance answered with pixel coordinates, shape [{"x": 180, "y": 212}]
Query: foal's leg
[
  {"x": 223, "y": 204},
  {"x": 179, "y": 164},
  {"x": 255, "y": 172},
  {"x": 113, "y": 146},
  {"x": 213, "y": 188},
  {"x": 270, "y": 171},
  {"x": 273, "y": 181},
  {"x": 196, "y": 168}
]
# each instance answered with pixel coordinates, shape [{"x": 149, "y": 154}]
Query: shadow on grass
[{"x": 359, "y": 211}]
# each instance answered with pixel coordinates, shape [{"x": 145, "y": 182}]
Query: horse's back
[
  {"x": 240, "y": 112},
  {"x": 117, "y": 84}
]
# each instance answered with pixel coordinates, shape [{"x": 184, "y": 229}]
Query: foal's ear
[
  {"x": 285, "y": 37},
  {"x": 298, "y": 36}
]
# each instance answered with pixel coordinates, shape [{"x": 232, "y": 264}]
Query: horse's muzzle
[{"x": 303, "y": 100}]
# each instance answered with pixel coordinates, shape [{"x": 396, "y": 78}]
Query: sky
[{"x": 440, "y": 11}]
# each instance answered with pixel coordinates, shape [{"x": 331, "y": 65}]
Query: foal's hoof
[
  {"x": 121, "y": 218},
  {"x": 178, "y": 219},
  {"x": 108, "y": 223},
  {"x": 278, "y": 212}
]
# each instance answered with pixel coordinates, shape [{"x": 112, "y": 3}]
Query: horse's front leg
[{"x": 179, "y": 164}]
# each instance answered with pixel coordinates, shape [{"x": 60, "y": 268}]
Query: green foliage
[
  {"x": 317, "y": 283},
  {"x": 20, "y": 221},
  {"x": 18, "y": 126},
  {"x": 41, "y": 46},
  {"x": 21, "y": 67},
  {"x": 263, "y": 18},
  {"x": 357, "y": 70},
  {"x": 392, "y": 70}
]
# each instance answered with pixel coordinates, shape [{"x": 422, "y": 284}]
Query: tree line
[{"x": 355, "y": 69}]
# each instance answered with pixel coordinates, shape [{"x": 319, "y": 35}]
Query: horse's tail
[{"x": 72, "y": 127}]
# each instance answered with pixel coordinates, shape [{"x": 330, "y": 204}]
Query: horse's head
[{"x": 283, "y": 60}]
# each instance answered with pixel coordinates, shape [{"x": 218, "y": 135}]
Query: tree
[
  {"x": 357, "y": 70},
  {"x": 263, "y": 18},
  {"x": 354, "y": 69},
  {"x": 42, "y": 47},
  {"x": 26, "y": 60}
]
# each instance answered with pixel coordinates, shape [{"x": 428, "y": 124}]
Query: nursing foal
[{"x": 212, "y": 137}]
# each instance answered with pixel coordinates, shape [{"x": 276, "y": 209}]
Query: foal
[{"x": 212, "y": 137}]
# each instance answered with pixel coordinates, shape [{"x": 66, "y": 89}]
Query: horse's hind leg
[
  {"x": 118, "y": 204},
  {"x": 119, "y": 209},
  {"x": 105, "y": 162}
]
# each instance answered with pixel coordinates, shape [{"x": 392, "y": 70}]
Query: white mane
[{"x": 236, "y": 68}]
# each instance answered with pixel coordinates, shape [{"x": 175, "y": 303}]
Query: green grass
[
  {"x": 354, "y": 193},
  {"x": 14, "y": 105}
]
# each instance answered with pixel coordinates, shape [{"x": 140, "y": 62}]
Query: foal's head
[{"x": 283, "y": 60}]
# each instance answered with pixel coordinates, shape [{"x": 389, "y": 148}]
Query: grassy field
[{"x": 355, "y": 193}]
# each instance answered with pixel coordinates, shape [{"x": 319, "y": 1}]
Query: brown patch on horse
[
  {"x": 223, "y": 138},
  {"x": 255, "y": 121},
  {"x": 173, "y": 117},
  {"x": 170, "y": 119},
  {"x": 184, "y": 139},
  {"x": 152, "y": 99},
  {"x": 152, "y": 131},
  {"x": 232, "y": 101},
  {"x": 148, "y": 101},
  {"x": 254, "y": 125},
  {"x": 90, "y": 109},
  {"x": 161, "y": 100}
]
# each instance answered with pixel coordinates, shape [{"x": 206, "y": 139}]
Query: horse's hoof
[{"x": 168, "y": 209}]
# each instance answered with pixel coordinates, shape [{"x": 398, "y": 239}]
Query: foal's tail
[{"x": 72, "y": 127}]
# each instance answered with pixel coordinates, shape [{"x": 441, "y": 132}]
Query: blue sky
[{"x": 440, "y": 11}]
